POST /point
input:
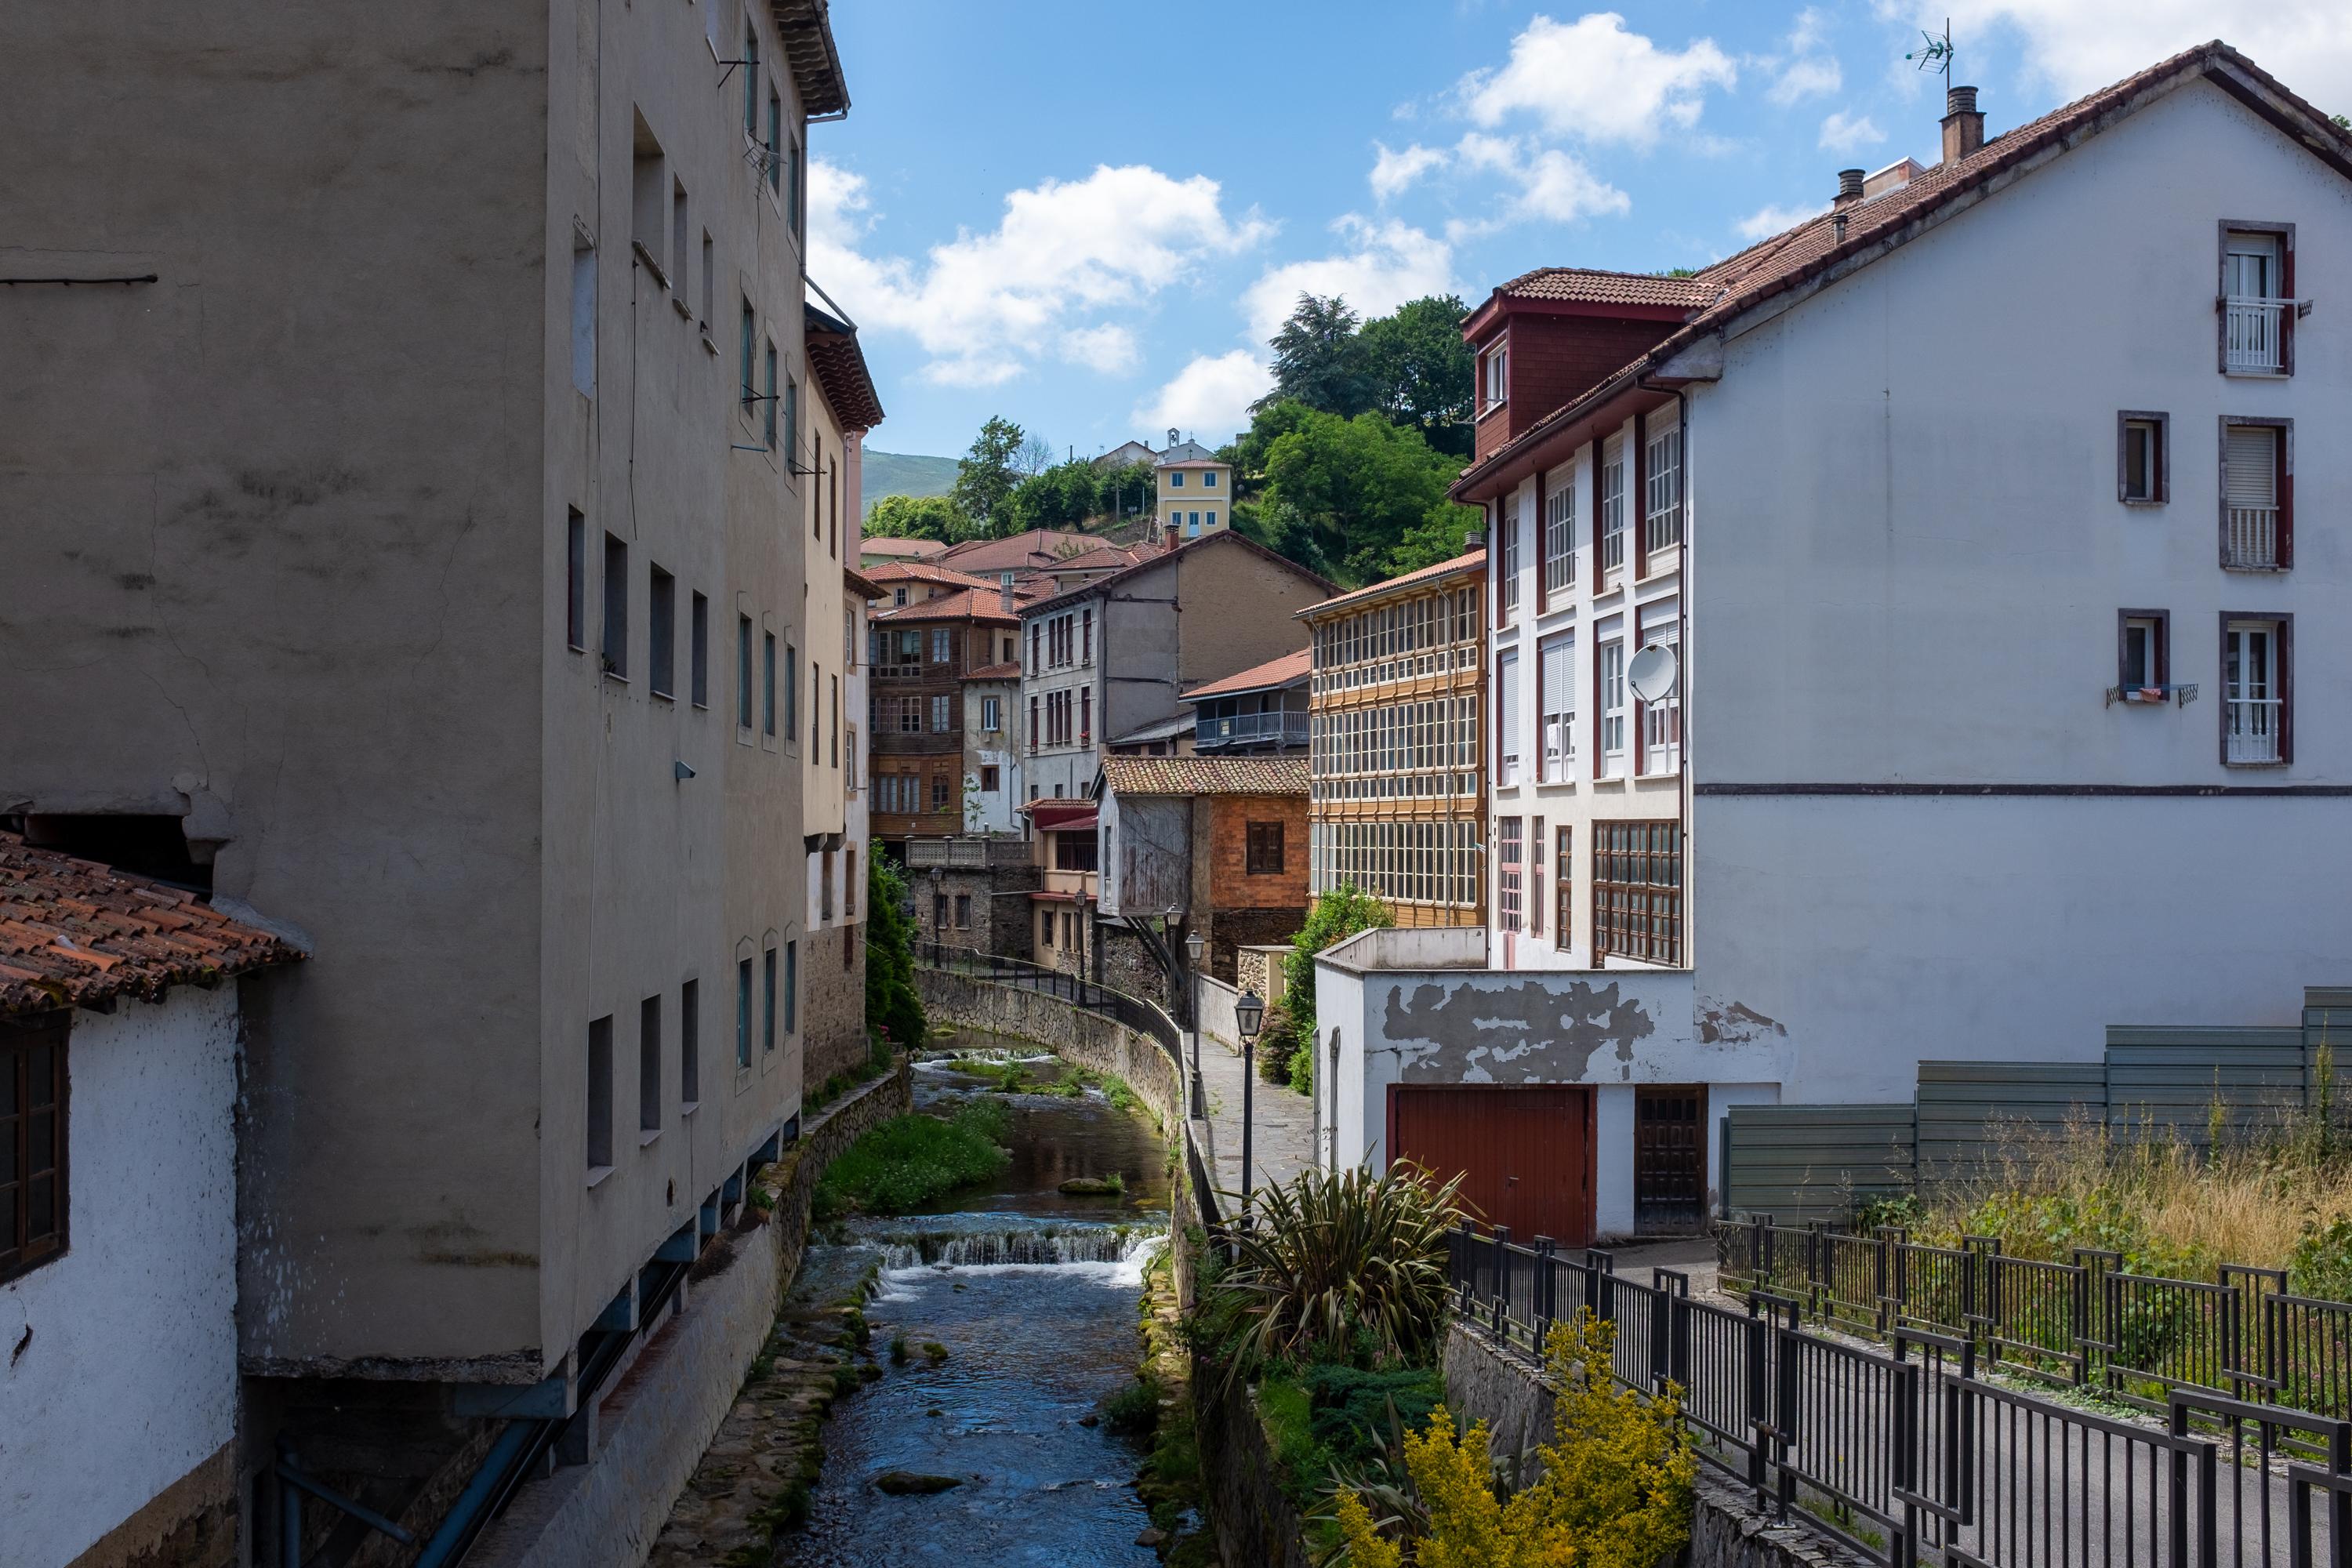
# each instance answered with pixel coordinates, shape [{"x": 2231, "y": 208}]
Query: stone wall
[
  {"x": 1505, "y": 1389},
  {"x": 1087, "y": 1040},
  {"x": 652, "y": 1428},
  {"x": 834, "y": 994},
  {"x": 986, "y": 908},
  {"x": 1259, "y": 969},
  {"x": 1253, "y": 1520},
  {"x": 1231, "y": 930}
]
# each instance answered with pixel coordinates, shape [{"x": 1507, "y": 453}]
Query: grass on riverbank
[
  {"x": 2282, "y": 1199},
  {"x": 1015, "y": 1077},
  {"x": 912, "y": 1160}
]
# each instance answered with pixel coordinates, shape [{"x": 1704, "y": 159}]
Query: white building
[
  {"x": 1963, "y": 522},
  {"x": 119, "y": 1039}
]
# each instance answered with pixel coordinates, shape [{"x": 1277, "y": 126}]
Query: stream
[{"x": 1035, "y": 1294}]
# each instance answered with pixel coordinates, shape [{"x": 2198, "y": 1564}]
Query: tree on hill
[
  {"x": 1421, "y": 372},
  {"x": 1317, "y": 359},
  {"x": 917, "y": 517},
  {"x": 1357, "y": 500},
  {"x": 986, "y": 475}
]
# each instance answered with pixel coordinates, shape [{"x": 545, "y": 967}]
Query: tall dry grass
[{"x": 2276, "y": 1196}]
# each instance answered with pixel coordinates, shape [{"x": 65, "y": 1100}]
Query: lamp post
[
  {"x": 1194, "y": 945},
  {"x": 1249, "y": 1012}
]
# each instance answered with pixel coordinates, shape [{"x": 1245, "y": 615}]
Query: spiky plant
[{"x": 1333, "y": 1265}]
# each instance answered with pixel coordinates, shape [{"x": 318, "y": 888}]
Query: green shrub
[
  {"x": 892, "y": 1004},
  {"x": 1336, "y": 915},
  {"x": 914, "y": 1159},
  {"x": 1355, "y": 1411},
  {"x": 1134, "y": 1410}
]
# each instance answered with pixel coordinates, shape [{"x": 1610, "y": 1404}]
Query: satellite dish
[{"x": 1652, "y": 673}]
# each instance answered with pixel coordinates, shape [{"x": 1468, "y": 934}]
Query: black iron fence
[
  {"x": 1134, "y": 1011},
  {"x": 1915, "y": 1453},
  {"x": 2087, "y": 1322}
]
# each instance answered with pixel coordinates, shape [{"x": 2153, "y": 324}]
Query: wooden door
[
  {"x": 1525, "y": 1151},
  {"x": 1669, "y": 1158}
]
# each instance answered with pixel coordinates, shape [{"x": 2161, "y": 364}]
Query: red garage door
[{"x": 1525, "y": 1151}]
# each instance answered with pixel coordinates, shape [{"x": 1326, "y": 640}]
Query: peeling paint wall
[{"x": 118, "y": 1360}]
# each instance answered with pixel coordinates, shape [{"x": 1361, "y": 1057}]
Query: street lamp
[
  {"x": 1249, "y": 1013},
  {"x": 1194, "y": 945}
]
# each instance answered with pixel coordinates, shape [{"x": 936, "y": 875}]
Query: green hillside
[{"x": 897, "y": 474}]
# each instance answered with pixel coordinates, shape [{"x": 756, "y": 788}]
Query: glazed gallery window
[
  {"x": 1510, "y": 862},
  {"x": 1637, "y": 898}
]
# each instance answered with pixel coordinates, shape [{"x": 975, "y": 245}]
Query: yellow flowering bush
[{"x": 1614, "y": 1489}]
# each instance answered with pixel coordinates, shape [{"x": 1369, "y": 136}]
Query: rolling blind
[
  {"x": 1559, "y": 675},
  {"x": 2252, "y": 454},
  {"x": 1506, "y": 686},
  {"x": 1660, "y": 622}
]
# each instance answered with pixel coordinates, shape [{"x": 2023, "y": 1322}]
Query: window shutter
[
  {"x": 1559, "y": 687},
  {"x": 1661, "y": 623},
  {"x": 1507, "y": 688},
  {"x": 2252, "y": 454}
]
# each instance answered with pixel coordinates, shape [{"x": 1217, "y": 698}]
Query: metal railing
[
  {"x": 2251, "y": 335},
  {"x": 1142, "y": 1017},
  {"x": 2252, "y": 537},
  {"x": 1247, "y": 729},
  {"x": 967, "y": 850},
  {"x": 1911, "y": 1453},
  {"x": 2254, "y": 729},
  {"x": 2087, "y": 1322}
]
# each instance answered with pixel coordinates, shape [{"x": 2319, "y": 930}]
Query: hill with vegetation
[{"x": 905, "y": 473}]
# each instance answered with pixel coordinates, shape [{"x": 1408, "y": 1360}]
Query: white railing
[
  {"x": 2253, "y": 729},
  {"x": 2251, "y": 333},
  {"x": 2253, "y": 536}
]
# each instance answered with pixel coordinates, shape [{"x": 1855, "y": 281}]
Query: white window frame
[
  {"x": 1662, "y": 516},
  {"x": 1613, "y": 715},
  {"x": 1510, "y": 882},
  {"x": 1507, "y": 699},
  {"x": 1611, "y": 520},
  {"x": 1559, "y": 532},
  {"x": 1495, "y": 374},
  {"x": 991, "y": 713},
  {"x": 2254, "y": 692},
  {"x": 1557, "y": 717},
  {"x": 1507, "y": 537}
]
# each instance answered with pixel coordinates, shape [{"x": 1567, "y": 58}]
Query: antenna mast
[{"x": 1935, "y": 53}]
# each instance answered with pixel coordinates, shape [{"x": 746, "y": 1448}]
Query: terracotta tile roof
[
  {"x": 1798, "y": 255},
  {"x": 1038, "y": 547},
  {"x": 963, "y": 604},
  {"x": 1273, "y": 672},
  {"x": 857, "y": 582},
  {"x": 1104, "y": 558},
  {"x": 926, "y": 572},
  {"x": 73, "y": 932},
  {"x": 1471, "y": 561},
  {"x": 840, "y": 368},
  {"x": 1205, "y": 775},
  {"x": 887, "y": 545},
  {"x": 995, "y": 672},
  {"x": 1586, "y": 284}
]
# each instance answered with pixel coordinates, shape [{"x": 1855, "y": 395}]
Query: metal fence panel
[{"x": 1802, "y": 1162}]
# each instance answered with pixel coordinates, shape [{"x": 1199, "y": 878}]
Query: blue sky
[{"x": 1087, "y": 216}]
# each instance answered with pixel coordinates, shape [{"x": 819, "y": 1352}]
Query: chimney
[
  {"x": 1963, "y": 123},
  {"x": 1473, "y": 538},
  {"x": 1849, "y": 188},
  {"x": 1006, "y": 588}
]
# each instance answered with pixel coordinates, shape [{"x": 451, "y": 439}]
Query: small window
[
  {"x": 1509, "y": 862},
  {"x": 33, "y": 1131},
  {"x": 939, "y": 715},
  {"x": 710, "y": 280},
  {"x": 583, "y": 318},
  {"x": 1263, "y": 849},
  {"x": 939, "y": 644},
  {"x": 939, "y": 792},
  {"x": 748, "y": 342},
  {"x": 1496, "y": 382},
  {"x": 768, "y": 1002},
  {"x": 649, "y": 1069},
  {"x": 939, "y": 911},
  {"x": 742, "y": 1013},
  {"x": 600, "y": 1095},
  {"x": 743, "y": 672},
  {"x": 2142, "y": 459},
  {"x": 988, "y": 776},
  {"x": 689, "y": 1044},
  {"x": 1612, "y": 709},
  {"x": 768, "y": 683},
  {"x": 791, "y": 987},
  {"x": 661, "y": 646},
  {"x": 750, "y": 83},
  {"x": 698, "y": 655},
  {"x": 615, "y": 640},
  {"x": 1175, "y": 478},
  {"x": 775, "y": 142},
  {"x": 1563, "y": 881},
  {"x": 575, "y": 586},
  {"x": 1208, "y": 479},
  {"x": 677, "y": 239},
  {"x": 992, "y": 717},
  {"x": 963, "y": 911},
  {"x": 768, "y": 396},
  {"x": 2144, "y": 655}
]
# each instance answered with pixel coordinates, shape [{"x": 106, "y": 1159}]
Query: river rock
[
  {"x": 1153, "y": 1538},
  {"x": 904, "y": 1483},
  {"x": 1093, "y": 1186}
]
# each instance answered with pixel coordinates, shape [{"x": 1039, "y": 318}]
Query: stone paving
[{"x": 1283, "y": 1143}]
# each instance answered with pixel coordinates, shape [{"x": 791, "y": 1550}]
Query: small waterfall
[{"x": 1018, "y": 1246}]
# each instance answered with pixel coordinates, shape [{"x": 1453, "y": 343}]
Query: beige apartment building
[
  {"x": 414, "y": 508},
  {"x": 1195, "y": 491}
]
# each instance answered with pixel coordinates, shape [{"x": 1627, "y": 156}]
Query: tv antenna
[{"x": 1935, "y": 53}]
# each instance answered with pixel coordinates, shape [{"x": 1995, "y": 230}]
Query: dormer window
[{"x": 1493, "y": 376}]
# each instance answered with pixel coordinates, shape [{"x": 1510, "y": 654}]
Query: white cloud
[
  {"x": 1767, "y": 221},
  {"x": 1208, "y": 396},
  {"x": 1108, "y": 347},
  {"x": 1593, "y": 80},
  {"x": 1554, "y": 185},
  {"x": 985, "y": 305},
  {"x": 1844, "y": 132},
  {"x": 1385, "y": 264},
  {"x": 2076, "y": 45},
  {"x": 1811, "y": 30},
  {"x": 1394, "y": 172},
  {"x": 1814, "y": 76}
]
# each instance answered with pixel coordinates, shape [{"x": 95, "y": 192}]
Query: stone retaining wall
[
  {"x": 654, "y": 1426},
  {"x": 1089, "y": 1039},
  {"x": 1483, "y": 1381},
  {"x": 1253, "y": 1520}
]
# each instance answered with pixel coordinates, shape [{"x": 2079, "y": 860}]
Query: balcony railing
[
  {"x": 2251, "y": 333},
  {"x": 2253, "y": 729},
  {"x": 1250, "y": 729},
  {"x": 968, "y": 851},
  {"x": 2253, "y": 536}
]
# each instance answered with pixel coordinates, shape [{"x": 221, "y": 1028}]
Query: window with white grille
[
  {"x": 1613, "y": 709},
  {"x": 1497, "y": 381},
  {"x": 1508, "y": 721},
  {"x": 2255, "y": 306},
  {"x": 1556, "y": 705},
  {"x": 1559, "y": 532},
  {"x": 1508, "y": 871},
  {"x": 2257, "y": 530},
  {"x": 1662, "y": 721},
  {"x": 1507, "y": 577},
  {"x": 1612, "y": 512},
  {"x": 2256, "y": 722},
  {"x": 1662, "y": 507}
]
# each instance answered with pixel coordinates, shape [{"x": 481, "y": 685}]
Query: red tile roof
[
  {"x": 1878, "y": 223},
  {"x": 1586, "y": 285},
  {"x": 1225, "y": 538},
  {"x": 73, "y": 932},
  {"x": 926, "y": 572},
  {"x": 1273, "y": 672},
  {"x": 963, "y": 604},
  {"x": 1011, "y": 671},
  {"x": 1205, "y": 776},
  {"x": 1471, "y": 561},
  {"x": 840, "y": 368},
  {"x": 1103, "y": 558},
  {"x": 891, "y": 544},
  {"x": 1038, "y": 547}
]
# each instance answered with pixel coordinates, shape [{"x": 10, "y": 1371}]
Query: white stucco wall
[
  {"x": 128, "y": 1380},
  {"x": 1913, "y": 579}
]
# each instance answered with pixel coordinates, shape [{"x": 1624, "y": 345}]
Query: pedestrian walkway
[{"x": 1283, "y": 1143}]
